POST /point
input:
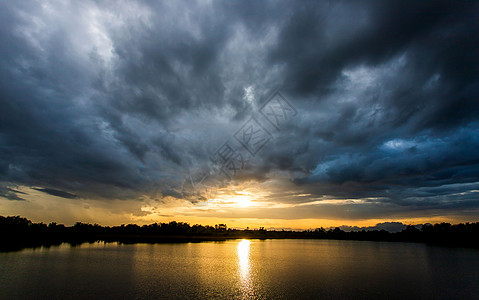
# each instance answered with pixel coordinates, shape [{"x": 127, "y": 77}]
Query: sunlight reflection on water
[
  {"x": 244, "y": 267},
  {"x": 241, "y": 269}
]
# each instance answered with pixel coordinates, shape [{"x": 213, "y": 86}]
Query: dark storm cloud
[
  {"x": 10, "y": 194},
  {"x": 57, "y": 193},
  {"x": 106, "y": 100},
  {"x": 396, "y": 86}
]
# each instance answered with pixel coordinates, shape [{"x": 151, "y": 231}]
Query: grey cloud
[
  {"x": 118, "y": 101},
  {"x": 10, "y": 194},
  {"x": 57, "y": 193}
]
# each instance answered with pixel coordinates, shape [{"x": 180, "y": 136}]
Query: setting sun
[{"x": 242, "y": 201}]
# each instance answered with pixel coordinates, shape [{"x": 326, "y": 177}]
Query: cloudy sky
[{"x": 294, "y": 114}]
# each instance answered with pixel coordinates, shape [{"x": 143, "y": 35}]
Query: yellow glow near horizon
[{"x": 237, "y": 209}]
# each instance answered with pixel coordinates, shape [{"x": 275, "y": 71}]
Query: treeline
[{"x": 17, "y": 232}]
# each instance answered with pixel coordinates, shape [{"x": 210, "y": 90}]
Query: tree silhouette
[{"x": 18, "y": 232}]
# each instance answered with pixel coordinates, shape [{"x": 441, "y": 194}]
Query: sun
[{"x": 243, "y": 201}]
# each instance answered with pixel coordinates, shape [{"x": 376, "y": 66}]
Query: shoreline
[{"x": 18, "y": 245}]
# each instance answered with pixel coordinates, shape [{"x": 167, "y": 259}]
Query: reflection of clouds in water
[{"x": 244, "y": 268}]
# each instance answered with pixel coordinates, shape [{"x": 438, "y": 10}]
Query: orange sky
[{"x": 232, "y": 210}]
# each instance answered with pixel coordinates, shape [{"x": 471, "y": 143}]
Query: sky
[{"x": 282, "y": 114}]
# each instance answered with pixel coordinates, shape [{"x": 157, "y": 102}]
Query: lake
[{"x": 242, "y": 269}]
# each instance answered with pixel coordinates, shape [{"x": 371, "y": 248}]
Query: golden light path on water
[{"x": 244, "y": 267}]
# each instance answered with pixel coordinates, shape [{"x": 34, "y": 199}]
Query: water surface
[{"x": 242, "y": 269}]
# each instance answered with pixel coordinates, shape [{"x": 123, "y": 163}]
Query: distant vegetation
[{"x": 17, "y": 233}]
